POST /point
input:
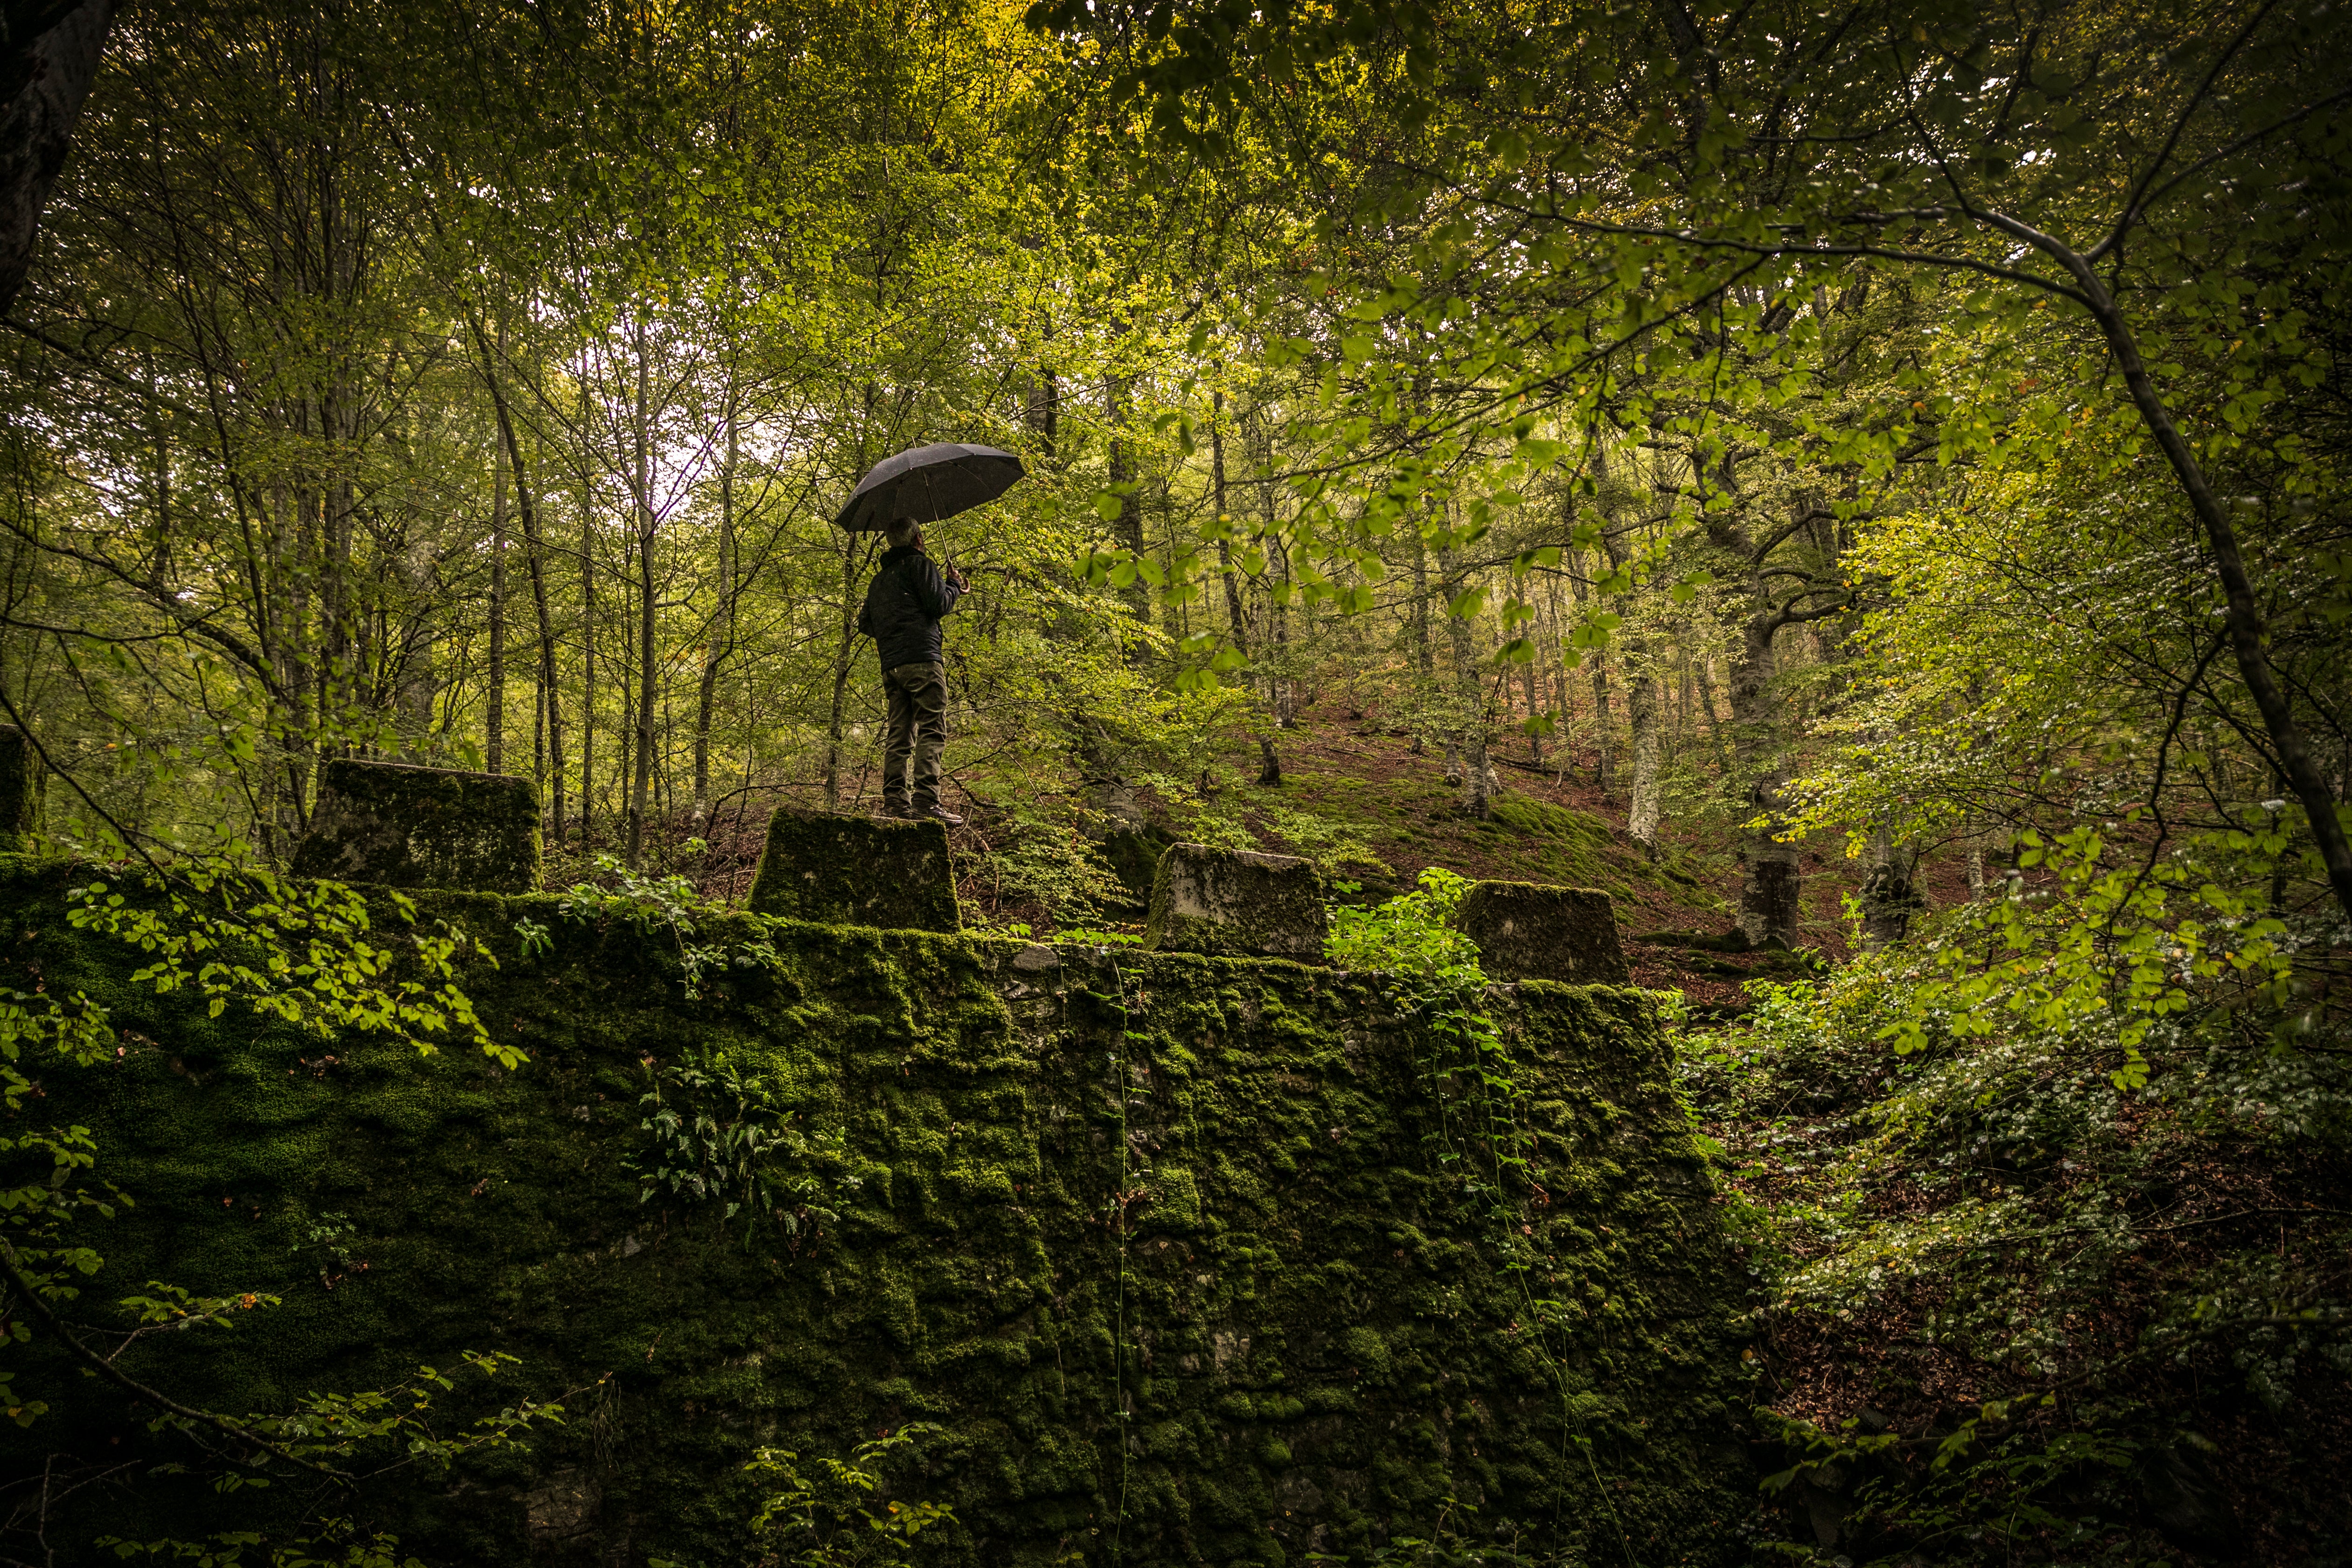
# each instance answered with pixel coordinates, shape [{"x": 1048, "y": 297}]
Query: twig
[{"x": 12, "y": 1266}]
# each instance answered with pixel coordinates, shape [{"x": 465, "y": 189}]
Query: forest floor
[
  {"x": 1375, "y": 810},
  {"x": 1357, "y": 793}
]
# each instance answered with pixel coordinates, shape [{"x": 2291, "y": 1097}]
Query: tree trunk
[
  {"x": 1129, "y": 529},
  {"x": 340, "y": 674},
  {"x": 1269, "y": 772},
  {"x": 1643, "y": 706},
  {"x": 2241, "y": 610},
  {"x": 844, "y": 653},
  {"x": 1644, "y": 810},
  {"x": 1044, "y": 413},
  {"x": 1470, "y": 719},
  {"x": 44, "y": 76},
  {"x": 290, "y": 577},
  {"x": 648, "y": 666},
  {"x": 494, "y": 717},
  {"x": 1424, "y": 658},
  {"x": 546, "y": 711},
  {"x": 1237, "y": 621},
  {"x": 1603, "y": 748},
  {"x": 1891, "y": 897},
  {"x": 624, "y": 677},
  {"x": 587, "y": 641},
  {"x": 1702, "y": 667},
  {"x": 722, "y": 631},
  {"x": 1531, "y": 680},
  {"x": 1772, "y": 891}
]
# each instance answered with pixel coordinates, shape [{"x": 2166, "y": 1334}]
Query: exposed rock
[
  {"x": 1133, "y": 853},
  {"x": 404, "y": 826},
  {"x": 856, "y": 870},
  {"x": 561, "y": 1506},
  {"x": 21, "y": 778},
  {"x": 1528, "y": 932},
  {"x": 2188, "y": 1504},
  {"x": 1236, "y": 903}
]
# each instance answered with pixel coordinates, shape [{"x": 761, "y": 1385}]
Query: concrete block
[
  {"x": 1528, "y": 932},
  {"x": 1237, "y": 904},
  {"x": 407, "y": 826},
  {"x": 21, "y": 780},
  {"x": 839, "y": 869}
]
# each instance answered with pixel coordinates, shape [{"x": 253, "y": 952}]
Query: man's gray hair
[{"x": 902, "y": 531}]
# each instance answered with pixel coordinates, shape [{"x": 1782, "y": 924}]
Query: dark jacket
[{"x": 903, "y": 606}]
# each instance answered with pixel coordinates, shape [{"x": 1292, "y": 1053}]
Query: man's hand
[{"x": 956, "y": 577}]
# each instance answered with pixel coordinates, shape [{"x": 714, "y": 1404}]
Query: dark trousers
[{"x": 917, "y": 730}]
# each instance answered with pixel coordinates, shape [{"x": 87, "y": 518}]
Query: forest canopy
[{"x": 473, "y": 385}]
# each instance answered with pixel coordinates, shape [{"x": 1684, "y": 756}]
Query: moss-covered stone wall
[{"x": 1172, "y": 1248}]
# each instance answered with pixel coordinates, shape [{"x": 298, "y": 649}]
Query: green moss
[
  {"x": 856, "y": 870},
  {"x": 1284, "y": 1339},
  {"x": 1235, "y": 904},
  {"x": 402, "y": 826},
  {"x": 1528, "y": 932}
]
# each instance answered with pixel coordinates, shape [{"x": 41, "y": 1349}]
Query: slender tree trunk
[
  {"x": 1129, "y": 529},
  {"x": 587, "y": 640},
  {"x": 1555, "y": 648},
  {"x": 2243, "y": 614},
  {"x": 1529, "y": 679},
  {"x": 1280, "y": 688},
  {"x": 1642, "y": 704},
  {"x": 1237, "y": 621},
  {"x": 845, "y": 636},
  {"x": 494, "y": 718},
  {"x": 1643, "y": 808},
  {"x": 1604, "y": 743},
  {"x": 290, "y": 577},
  {"x": 1891, "y": 897},
  {"x": 1424, "y": 658},
  {"x": 1045, "y": 410},
  {"x": 159, "y": 557},
  {"x": 844, "y": 651},
  {"x": 649, "y": 667},
  {"x": 722, "y": 631},
  {"x": 1702, "y": 669},
  {"x": 1771, "y": 890},
  {"x": 1269, "y": 772},
  {"x": 341, "y": 674},
  {"x": 415, "y": 681},
  {"x": 546, "y": 711},
  {"x": 1468, "y": 732}
]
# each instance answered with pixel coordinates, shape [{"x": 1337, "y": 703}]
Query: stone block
[
  {"x": 406, "y": 826},
  {"x": 1236, "y": 904},
  {"x": 21, "y": 778},
  {"x": 839, "y": 869},
  {"x": 1528, "y": 932}
]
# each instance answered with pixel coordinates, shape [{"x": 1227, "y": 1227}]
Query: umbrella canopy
[{"x": 928, "y": 484}]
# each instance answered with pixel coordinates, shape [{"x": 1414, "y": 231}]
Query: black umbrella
[{"x": 928, "y": 484}]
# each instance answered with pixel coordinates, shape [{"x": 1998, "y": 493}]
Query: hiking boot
[
  {"x": 897, "y": 809},
  {"x": 939, "y": 814}
]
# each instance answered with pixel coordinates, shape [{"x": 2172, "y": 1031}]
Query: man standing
[{"x": 904, "y": 605}]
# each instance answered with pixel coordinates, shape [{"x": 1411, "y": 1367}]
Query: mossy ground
[{"x": 1172, "y": 1247}]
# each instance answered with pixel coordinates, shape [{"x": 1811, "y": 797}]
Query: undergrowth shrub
[{"x": 2044, "y": 1211}]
